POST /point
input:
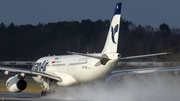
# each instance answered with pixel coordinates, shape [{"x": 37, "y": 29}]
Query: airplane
[{"x": 78, "y": 68}]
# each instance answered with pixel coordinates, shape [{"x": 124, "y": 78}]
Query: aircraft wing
[
  {"x": 119, "y": 73},
  {"x": 15, "y": 63},
  {"x": 29, "y": 72}
]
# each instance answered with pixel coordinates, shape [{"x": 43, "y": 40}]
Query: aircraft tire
[{"x": 43, "y": 93}]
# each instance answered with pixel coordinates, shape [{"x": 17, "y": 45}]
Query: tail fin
[{"x": 113, "y": 34}]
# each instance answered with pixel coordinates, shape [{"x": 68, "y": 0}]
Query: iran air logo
[{"x": 114, "y": 30}]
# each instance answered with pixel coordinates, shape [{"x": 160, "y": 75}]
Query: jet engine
[{"x": 14, "y": 84}]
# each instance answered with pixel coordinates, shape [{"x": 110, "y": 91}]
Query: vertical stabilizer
[{"x": 113, "y": 34}]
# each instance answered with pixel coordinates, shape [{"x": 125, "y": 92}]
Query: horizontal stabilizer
[
  {"x": 148, "y": 55},
  {"x": 87, "y": 55},
  {"x": 104, "y": 58}
]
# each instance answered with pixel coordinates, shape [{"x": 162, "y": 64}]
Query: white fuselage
[
  {"x": 74, "y": 69},
  {"x": 82, "y": 68}
]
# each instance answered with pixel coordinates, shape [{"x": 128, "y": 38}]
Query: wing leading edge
[{"x": 30, "y": 73}]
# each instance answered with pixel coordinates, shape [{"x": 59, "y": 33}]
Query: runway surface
[
  {"x": 7, "y": 96},
  {"x": 19, "y": 95}
]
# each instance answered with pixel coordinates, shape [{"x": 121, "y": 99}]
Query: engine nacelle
[
  {"x": 38, "y": 80},
  {"x": 14, "y": 84}
]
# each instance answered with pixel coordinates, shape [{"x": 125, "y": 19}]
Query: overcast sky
[{"x": 143, "y": 12}]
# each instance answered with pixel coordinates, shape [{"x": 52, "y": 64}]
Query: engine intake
[{"x": 14, "y": 84}]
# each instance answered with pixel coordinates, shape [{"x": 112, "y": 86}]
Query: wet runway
[
  {"x": 7, "y": 96},
  {"x": 19, "y": 95},
  {"x": 150, "y": 87}
]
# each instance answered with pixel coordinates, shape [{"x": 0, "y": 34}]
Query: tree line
[{"x": 30, "y": 42}]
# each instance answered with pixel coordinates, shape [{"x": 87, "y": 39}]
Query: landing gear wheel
[{"x": 43, "y": 93}]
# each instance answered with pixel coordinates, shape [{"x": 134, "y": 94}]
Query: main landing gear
[{"x": 46, "y": 84}]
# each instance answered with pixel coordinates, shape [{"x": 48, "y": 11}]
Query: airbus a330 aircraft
[{"x": 67, "y": 70}]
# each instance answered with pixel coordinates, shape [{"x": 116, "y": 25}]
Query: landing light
[
  {"x": 6, "y": 72},
  {"x": 22, "y": 74},
  {"x": 39, "y": 77}
]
